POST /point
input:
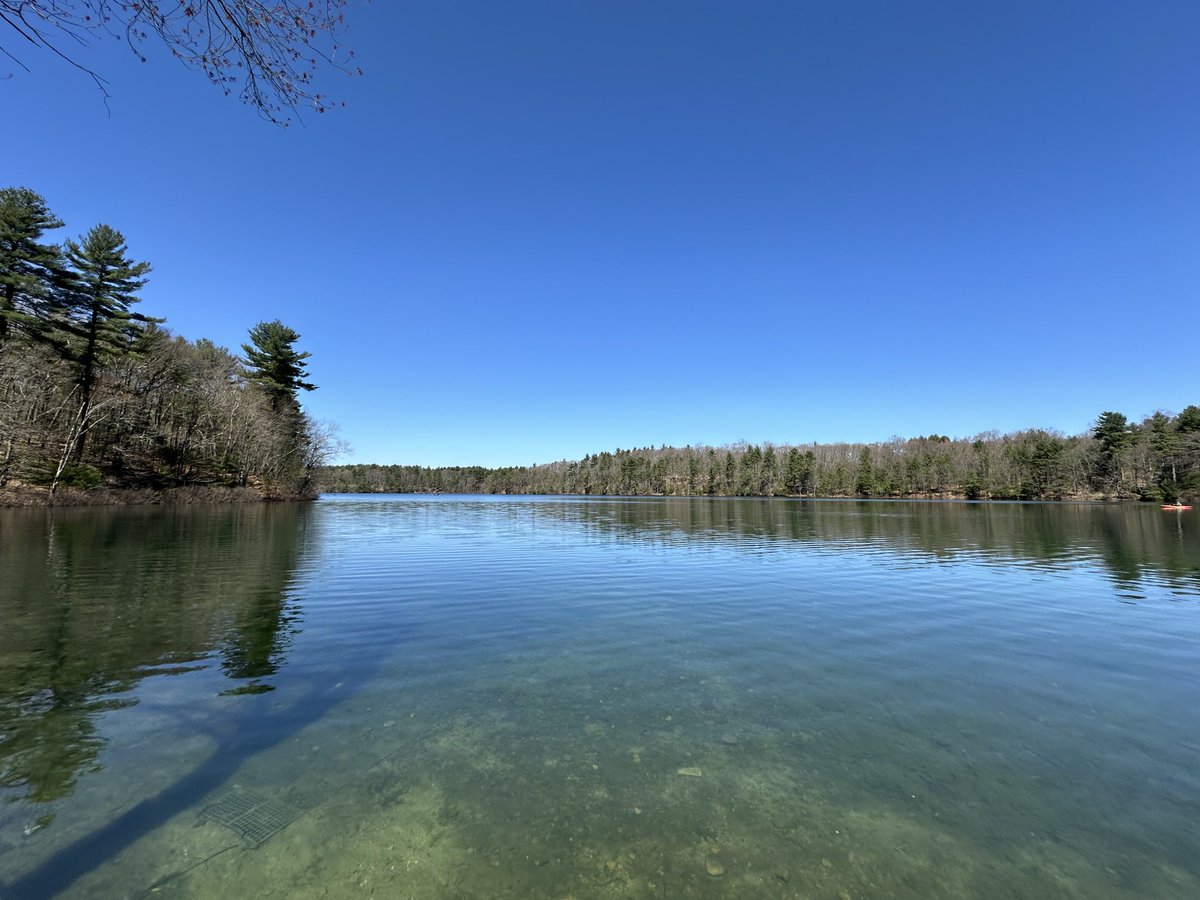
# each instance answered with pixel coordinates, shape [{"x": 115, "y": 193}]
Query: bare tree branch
[{"x": 269, "y": 51}]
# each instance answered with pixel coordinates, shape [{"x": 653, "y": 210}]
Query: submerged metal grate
[{"x": 254, "y": 817}]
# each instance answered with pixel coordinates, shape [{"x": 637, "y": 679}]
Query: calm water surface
[{"x": 559, "y": 697}]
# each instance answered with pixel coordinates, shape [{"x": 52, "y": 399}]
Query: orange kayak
[{"x": 1172, "y": 506}]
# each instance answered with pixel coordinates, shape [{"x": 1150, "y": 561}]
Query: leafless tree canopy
[{"x": 269, "y": 52}]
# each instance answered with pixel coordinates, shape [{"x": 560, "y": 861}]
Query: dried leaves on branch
[{"x": 268, "y": 52}]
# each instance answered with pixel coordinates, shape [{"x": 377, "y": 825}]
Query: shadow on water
[
  {"x": 96, "y": 601},
  {"x": 88, "y": 853}
]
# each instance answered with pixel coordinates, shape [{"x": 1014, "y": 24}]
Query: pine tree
[
  {"x": 864, "y": 483},
  {"x": 770, "y": 471},
  {"x": 794, "y": 472},
  {"x": 1188, "y": 421},
  {"x": 1187, "y": 426},
  {"x": 1113, "y": 435},
  {"x": 91, "y": 320},
  {"x": 276, "y": 366},
  {"x": 278, "y": 369},
  {"x": 28, "y": 268},
  {"x": 750, "y": 465}
]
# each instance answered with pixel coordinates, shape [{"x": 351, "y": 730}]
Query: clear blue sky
[{"x": 543, "y": 229}]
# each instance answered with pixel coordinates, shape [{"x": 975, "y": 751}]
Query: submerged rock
[
  {"x": 690, "y": 772},
  {"x": 713, "y": 868}
]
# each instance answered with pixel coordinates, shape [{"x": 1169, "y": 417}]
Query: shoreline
[
  {"x": 30, "y": 497},
  {"x": 1097, "y": 499},
  {"x": 23, "y": 496}
]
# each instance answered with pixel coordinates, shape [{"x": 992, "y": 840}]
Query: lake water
[{"x": 476, "y": 697}]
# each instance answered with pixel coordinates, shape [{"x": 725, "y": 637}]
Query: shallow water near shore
[{"x": 587, "y": 697}]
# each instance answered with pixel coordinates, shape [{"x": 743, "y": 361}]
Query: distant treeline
[
  {"x": 1157, "y": 459},
  {"x": 93, "y": 393}
]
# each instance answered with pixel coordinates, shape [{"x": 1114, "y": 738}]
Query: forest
[
  {"x": 95, "y": 394},
  {"x": 1156, "y": 459}
]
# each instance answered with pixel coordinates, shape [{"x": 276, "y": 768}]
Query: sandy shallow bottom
[{"x": 513, "y": 796}]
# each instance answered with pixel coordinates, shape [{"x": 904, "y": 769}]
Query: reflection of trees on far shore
[
  {"x": 95, "y": 600},
  {"x": 1131, "y": 542}
]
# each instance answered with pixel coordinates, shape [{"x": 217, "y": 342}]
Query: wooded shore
[
  {"x": 1157, "y": 459},
  {"x": 100, "y": 404},
  {"x": 34, "y": 496}
]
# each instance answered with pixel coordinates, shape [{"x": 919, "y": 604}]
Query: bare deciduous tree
[{"x": 269, "y": 51}]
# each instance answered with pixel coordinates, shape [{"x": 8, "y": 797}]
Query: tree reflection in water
[{"x": 95, "y": 601}]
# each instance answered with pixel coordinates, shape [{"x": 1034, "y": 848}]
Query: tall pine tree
[
  {"x": 29, "y": 268},
  {"x": 92, "y": 320},
  {"x": 278, "y": 369},
  {"x": 275, "y": 364}
]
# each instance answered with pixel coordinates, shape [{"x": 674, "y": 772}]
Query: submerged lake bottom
[{"x": 475, "y": 697}]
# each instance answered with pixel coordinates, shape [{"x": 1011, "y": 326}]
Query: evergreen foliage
[
  {"x": 1113, "y": 436},
  {"x": 275, "y": 364},
  {"x": 93, "y": 393},
  {"x": 90, "y": 321},
  {"x": 29, "y": 268}
]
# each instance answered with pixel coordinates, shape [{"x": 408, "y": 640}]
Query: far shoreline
[
  {"x": 25, "y": 496},
  {"x": 1098, "y": 500}
]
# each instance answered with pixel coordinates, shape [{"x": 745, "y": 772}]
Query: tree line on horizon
[
  {"x": 1156, "y": 459},
  {"x": 95, "y": 393}
]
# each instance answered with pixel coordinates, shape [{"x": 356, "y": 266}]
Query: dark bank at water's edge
[{"x": 27, "y": 496}]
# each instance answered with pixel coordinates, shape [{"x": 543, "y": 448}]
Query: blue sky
[{"x": 543, "y": 229}]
